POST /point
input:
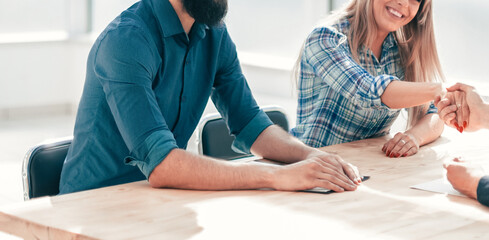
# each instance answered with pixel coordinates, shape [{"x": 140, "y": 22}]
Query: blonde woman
[{"x": 356, "y": 74}]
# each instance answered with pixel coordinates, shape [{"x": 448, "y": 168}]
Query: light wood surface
[{"x": 384, "y": 207}]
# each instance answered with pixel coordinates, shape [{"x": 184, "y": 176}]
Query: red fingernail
[
  {"x": 465, "y": 124},
  {"x": 460, "y": 129},
  {"x": 456, "y": 125},
  {"x": 404, "y": 155}
]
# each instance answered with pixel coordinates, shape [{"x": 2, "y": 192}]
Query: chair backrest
[
  {"x": 42, "y": 166},
  {"x": 214, "y": 139}
]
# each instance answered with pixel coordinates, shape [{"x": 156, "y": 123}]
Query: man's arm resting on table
[
  {"x": 182, "y": 169},
  {"x": 276, "y": 144},
  {"x": 185, "y": 170}
]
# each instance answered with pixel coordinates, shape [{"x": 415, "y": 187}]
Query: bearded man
[{"x": 149, "y": 76}]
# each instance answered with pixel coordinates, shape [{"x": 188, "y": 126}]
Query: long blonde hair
[{"x": 416, "y": 40}]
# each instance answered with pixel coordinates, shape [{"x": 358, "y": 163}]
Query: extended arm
[
  {"x": 329, "y": 58},
  {"x": 410, "y": 94}
]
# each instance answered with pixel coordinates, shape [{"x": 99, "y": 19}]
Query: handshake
[{"x": 463, "y": 108}]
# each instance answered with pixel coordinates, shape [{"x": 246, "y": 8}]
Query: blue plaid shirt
[{"x": 338, "y": 98}]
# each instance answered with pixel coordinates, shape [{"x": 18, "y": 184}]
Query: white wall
[
  {"x": 268, "y": 35},
  {"x": 41, "y": 77},
  {"x": 462, "y": 34},
  {"x": 30, "y": 15}
]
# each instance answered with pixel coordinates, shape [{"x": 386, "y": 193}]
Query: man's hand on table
[
  {"x": 463, "y": 176},
  {"x": 319, "y": 169}
]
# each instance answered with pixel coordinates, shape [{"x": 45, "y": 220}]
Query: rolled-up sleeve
[
  {"x": 234, "y": 100},
  {"x": 250, "y": 132},
  {"x": 151, "y": 151},
  {"x": 126, "y": 70},
  {"x": 327, "y": 52}
]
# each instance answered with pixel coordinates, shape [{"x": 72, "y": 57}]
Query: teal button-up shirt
[{"x": 146, "y": 87}]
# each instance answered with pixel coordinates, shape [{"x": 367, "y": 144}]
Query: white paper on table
[{"x": 439, "y": 186}]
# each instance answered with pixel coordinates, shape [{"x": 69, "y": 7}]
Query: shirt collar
[
  {"x": 168, "y": 19},
  {"x": 199, "y": 29},
  {"x": 390, "y": 41}
]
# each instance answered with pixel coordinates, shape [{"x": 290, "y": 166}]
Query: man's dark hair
[{"x": 209, "y": 12}]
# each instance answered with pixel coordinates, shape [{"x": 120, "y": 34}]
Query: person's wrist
[
  {"x": 417, "y": 140},
  {"x": 474, "y": 186},
  {"x": 313, "y": 152},
  {"x": 485, "y": 119},
  {"x": 438, "y": 92},
  {"x": 273, "y": 177}
]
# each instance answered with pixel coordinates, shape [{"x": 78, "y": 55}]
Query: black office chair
[
  {"x": 214, "y": 139},
  {"x": 42, "y": 166}
]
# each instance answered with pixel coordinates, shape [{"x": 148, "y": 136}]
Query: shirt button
[{"x": 379, "y": 70}]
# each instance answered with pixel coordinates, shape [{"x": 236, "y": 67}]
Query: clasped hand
[{"x": 459, "y": 108}]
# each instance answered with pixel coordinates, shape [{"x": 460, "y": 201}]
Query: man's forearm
[
  {"x": 276, "y": 144},
  {"x": 408, "y": 94},
  {"x": 485, "y": 119},
  {"x": 185, "y": 170}
]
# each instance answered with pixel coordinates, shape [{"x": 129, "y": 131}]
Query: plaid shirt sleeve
[
  {"x": 432, "y": 109},
  {"x": 327, "y": 52}
]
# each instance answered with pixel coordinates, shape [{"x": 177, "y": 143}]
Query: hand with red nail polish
[
  {"x": 401, "y": 145},
  {"x": 447, "y": 110},
  {"x": 464, "y": 109}
]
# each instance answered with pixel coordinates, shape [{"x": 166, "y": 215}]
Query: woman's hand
[
  {"x": 454, "y": 110},
  {"x": 401, "y": 145},
  {"x": 476, "y": 111}
]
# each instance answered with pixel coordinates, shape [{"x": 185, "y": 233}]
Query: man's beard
[{"x": 209, "y": 12}]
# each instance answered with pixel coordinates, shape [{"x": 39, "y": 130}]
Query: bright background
[{"x": 44, "y": 47}]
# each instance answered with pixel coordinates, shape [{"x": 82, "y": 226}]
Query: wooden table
[{"x": 384, "y": 207}]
